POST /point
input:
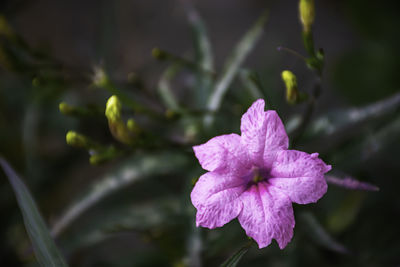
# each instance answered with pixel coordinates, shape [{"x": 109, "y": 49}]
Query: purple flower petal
[
  {"x": 216, "y": 198},
  {"x": 252, "y": 126},
  {"x": 276, "y": 138},
  {"x": 267, "y": 214},
  {"x": 299, "y": 175},
  {"x": 222, "y": 153},
  {"x": 262, "y": 131}
]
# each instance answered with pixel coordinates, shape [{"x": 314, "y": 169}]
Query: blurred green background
[{"x": 48, "y": 53}]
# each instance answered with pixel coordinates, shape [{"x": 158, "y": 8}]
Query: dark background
[{"x": 361, "y": 44}]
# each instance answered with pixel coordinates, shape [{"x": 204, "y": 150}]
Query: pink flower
[{"x": 255, "y": 178}]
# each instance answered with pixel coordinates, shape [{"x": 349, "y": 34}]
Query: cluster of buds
[{"x": 125, "y": 133}]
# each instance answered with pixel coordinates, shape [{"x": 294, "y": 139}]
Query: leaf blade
[
  {"x": 235, "y": 258},
  {"x": 320, "y": 235},
  {"x": 164, "y": 87},
  {"x": 46, "y": 251},
  {"x": 140, "y": 167},
  {"x": 203, "y": 55},
  {"x": 239, "y": 54}
]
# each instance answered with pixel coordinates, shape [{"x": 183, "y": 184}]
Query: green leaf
[
  {"x": 339, "y": 119},
  {"x": 364, "y": 148},
  {"x": 164, "y": 87},
  {"x": 239, "y": 54},
  {"x": 251, "y": 82},
  {"x": 132, "y": 170},
  {"x": 320, "y": 235},
  {"x": 235, "y": 258},
  {"x": 121, "y": 218},
  {"x": 344, "y": 124},
  {"x": 204, "y": 57},
  {"x": 46, "y": 251}
]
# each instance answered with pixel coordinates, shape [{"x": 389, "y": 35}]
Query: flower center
[{"x": 258, "y": 175}]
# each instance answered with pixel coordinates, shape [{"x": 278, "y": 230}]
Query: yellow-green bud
[
  {"x": 307, "y": 14},
  {"x": 65, "y": 108},
  {"x": 290, "y": 81},
  {"x": 76, "y": 140},
  {"x": 121, "y": 131},
  {"x": 113, "y": 109}
]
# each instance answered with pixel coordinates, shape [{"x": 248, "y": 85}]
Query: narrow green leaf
[
  {"x": 248, "y": 79},
  {"x": 235, "y": 258},
  {"x": 320, "y": 235},
  {"x": 137, "y": 168},
  {"x": 239, "y": 54},
  {"x": 126, "y": 217},
  {"x": 340, "y": 119},
  {"x": 203, "y": 56},
  {"x": 366, "y": 147},
  {"x": 164, "y": 88},
  {"x": 46, "y": 251},
  {"x": 380, "y": 139},
  {"x": 346, "y": 124}
]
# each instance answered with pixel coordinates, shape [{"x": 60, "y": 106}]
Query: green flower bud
[
  {"x": 77, "y": 140},
  {"x": 113, "y": 109},
  {"x": 66, "y": 109},
  {"x": 307, "y": 14},
  {"x": 290, "y": 80},
  {"x": 121, "y": 132}
]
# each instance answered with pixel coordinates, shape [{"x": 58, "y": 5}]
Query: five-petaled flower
[{"x": 255, "y": 178}]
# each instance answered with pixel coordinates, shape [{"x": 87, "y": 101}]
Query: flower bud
[
  {"x": 113, "y": 109},
  {"x": 66, "y": 109},
  {"x": 290, "y": 80},
  {"x": 307, "y": 14},
  {"x": 121, "y": 132},
  {"x": 77, "y": 140}
]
